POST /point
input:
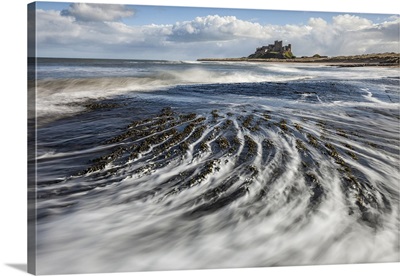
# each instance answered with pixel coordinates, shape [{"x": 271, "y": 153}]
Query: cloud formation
[
  {"x": 97, "y": 12},
  {"x": 91, "y": 30},
  {"x": 215, "y": 28},
  {"x": 349, "y": 34}
]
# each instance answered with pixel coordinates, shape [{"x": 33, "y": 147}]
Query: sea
[{"x": 166, "y": 165}]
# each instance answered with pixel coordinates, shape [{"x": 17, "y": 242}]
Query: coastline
[{"x": 381, "y": 60}]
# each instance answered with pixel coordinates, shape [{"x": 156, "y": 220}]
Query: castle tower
[{"x": 278, "y": 46}]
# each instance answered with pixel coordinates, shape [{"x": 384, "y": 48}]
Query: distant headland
[{"x": 278, "y": 53}]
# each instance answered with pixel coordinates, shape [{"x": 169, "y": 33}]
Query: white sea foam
[
  {"x": 137, "y": 216},
  {"x": 55, "y": 95}
]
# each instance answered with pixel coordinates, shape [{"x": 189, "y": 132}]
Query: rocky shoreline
[{"x": 383, "y": 59}]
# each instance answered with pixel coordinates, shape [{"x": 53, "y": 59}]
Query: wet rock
[
  {"x": 266, "y": 117},
  {"x": 352, "y": 154},
  {"x": 167, "y": 111},
  {"x": 253, "y": 170},
  {"x": 95, "y": 106},
  {"x": 198, "y": 132},
  {"x": 321, "y": 124},
  {"x": 227, "y": 124},
  {"x": 300, "y": 145},
  {"x": 341, "y": 132},
  {"x": 251, "y": 145},
  {"x": 223, "y": 143},
  {"x": 298, "y": 126},
  {"x": 283, "y": 125},
  {"x": 247, "y": 122},
  {"x": 199, "y": 120},
  {"x": 204, "y": 146},
  {"x": 215, "y": 114},
  {"x": 268, "y": 143},
  {"x": 312, "y": 140},
  {"x": 372, "y": 144},
  {"x": 187, "y": 117},
  {"x": 236, "y": 141},
  {"x": 184, "y": 146},
  {"x": 348, "y": 146}
]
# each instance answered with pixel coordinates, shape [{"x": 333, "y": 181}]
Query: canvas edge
[{"x": 32, "y": 137}]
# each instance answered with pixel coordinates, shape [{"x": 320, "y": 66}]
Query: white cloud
[
  {"x": 348, "y": 22},
  {"x": 53, "y": 28},
  {"x": 59, "y": 35},
  {"x": 209, "y": 36},
  {"x": 215, "y": 28},
  {"x": 347, "y": 34},
  {"x": 97, "y": 12},
  {"x": 317, "y": 23}
]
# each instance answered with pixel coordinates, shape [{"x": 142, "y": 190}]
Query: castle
[{"x": 276, "y": 50}]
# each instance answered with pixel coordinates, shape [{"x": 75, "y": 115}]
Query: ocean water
[{"x": 160, "y": 165}]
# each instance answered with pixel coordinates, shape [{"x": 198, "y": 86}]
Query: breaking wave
[{"x": 59, "y": 96}]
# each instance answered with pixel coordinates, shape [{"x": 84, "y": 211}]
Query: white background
[{"x": 13, "y": 133}]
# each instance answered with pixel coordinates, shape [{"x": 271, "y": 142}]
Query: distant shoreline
[{"x": 384, "y": 59}]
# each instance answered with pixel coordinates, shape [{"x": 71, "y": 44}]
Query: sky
[{"x": 80, "y": 30}]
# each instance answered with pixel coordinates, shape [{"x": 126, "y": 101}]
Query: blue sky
[
  {"x": 161, "y": 32},
  {"x": 169, "y": 15}
]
